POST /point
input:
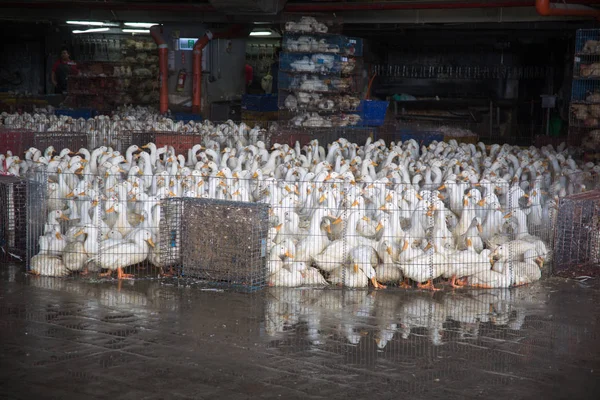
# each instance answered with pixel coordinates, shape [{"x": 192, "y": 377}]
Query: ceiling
[{"x": 382, "y": 12}]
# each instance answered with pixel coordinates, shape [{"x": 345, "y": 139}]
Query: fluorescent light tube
[
  {"x": 261, "y": 33},
  {"x": 140, "y": 24},
  {"x": 91, "y": 23},
  {"x": 136, "y": 30},
  {"x": 92, "y": 30}
]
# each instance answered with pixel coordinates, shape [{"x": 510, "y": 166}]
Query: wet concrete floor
[{"x": 69, "y": 339}]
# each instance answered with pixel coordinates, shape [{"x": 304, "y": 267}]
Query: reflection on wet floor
[{"x": 76, "y": 339}]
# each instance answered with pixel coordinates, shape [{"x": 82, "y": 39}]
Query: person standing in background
[
  {"x": 249, "y": 74},
  {"x": 61, "y": 70}
]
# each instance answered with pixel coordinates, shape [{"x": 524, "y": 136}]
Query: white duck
[
  {"x": 45, "y": 264},
  {"x": 127, "y": 253},
  {"x": 360, "y": 270}
]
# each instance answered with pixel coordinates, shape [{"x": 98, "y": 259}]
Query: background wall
[
  {"x": 223, "y": 67},
  {"x": 28, "y": 52}
]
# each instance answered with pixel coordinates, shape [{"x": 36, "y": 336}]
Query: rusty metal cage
[
  {"x": 223, "y": 242},
  {"x": 577, "y": 241},
  {"x": 13, "y": 218},
  {"x": 15, "y": 140},
  {"x": 61, "y": 140}
]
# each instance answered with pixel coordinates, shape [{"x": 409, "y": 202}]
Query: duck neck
[
  {"x": 91, "y": 242},
  {"x": 521, "y": 223}
]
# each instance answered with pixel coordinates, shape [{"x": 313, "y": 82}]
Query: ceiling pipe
[
  {"x": 543, "y": 8},
  {"x": 163, "y": 54},
  {"x": 233, "y": 32},
  {"x": 367, "y": 6},
  {"x": 108, "y": 5},
  {"x": 387, "y": 6}
]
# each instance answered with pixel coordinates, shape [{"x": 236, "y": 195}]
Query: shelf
[
  {"x": 583, "y": 102},
  {"x": 136, "y": 50},
  {"x": 135, "y": 78},
  {"x": 584, "y": 127},
  {"x": 84, "y": 93},
  {"x": 320, "y": 34},
  {"x": 319, "y": 111},
  {"x": 324, "y": 74},
  {"x": 325, "y": 92},
  {"x": 338, "y": 53}
]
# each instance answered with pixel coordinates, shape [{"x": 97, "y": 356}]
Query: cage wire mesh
[
  {"x": 331, "y": 230},
  {"x": 87, "y": 223},
  {"x": 61, "y": 140},
  {"x": 222, "y": 242},
  {"x": 577, "y": 240},
  {"x": 13, "y": 219},
  {"x": 325, "y": 136}
]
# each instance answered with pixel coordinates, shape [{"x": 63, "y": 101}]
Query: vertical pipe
[
  {"x": 197, "y": 71},
  {"x": 234, "y": 31},
  {"x": 163, "y": 54}
]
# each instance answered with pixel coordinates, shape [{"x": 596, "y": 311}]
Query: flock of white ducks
[{"x": 343, "y": 214}]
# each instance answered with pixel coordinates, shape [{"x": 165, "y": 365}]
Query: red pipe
[
  {"x": 366, "y": 6},
  {"x": 197, "y": 71},
  {"x": 234, "y": 31},
  {"x": 543, "y": 8},
  {"x": 401, "y": 6},
  {"x": 163, "y": 54}
]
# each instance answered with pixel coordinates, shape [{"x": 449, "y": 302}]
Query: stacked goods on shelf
[
  {"x": 126, "y": 77},
  {"x": 584, "y": 119},
  {"x": 318, "y": 78}
]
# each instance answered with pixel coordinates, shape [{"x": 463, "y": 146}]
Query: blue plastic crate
[
  {"x": 259, "y": 102},
  {"x": 313, "y": 63},
  {"x": 583, "y": 35},
  {"x": 372, "y": 112},
  {"x": 76, "y": 113},
  {"x": 187, "y": 117},
  {"x": 424, "y": 138}
]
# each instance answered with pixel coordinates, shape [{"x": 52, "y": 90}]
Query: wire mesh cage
[
  {"x": 325, "y": 136},
  {"x": 61, "y": 140},
  {"x": 577, "y": 240},
  {"x": 80, "y": 224},
  {"x": 13, "y": 218},
  {"x": 349, "y": 234},
  {"x": 182, "y": 143},
  {"x": 342, "y": 202},
  {"x": 217, "y": 241}
]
